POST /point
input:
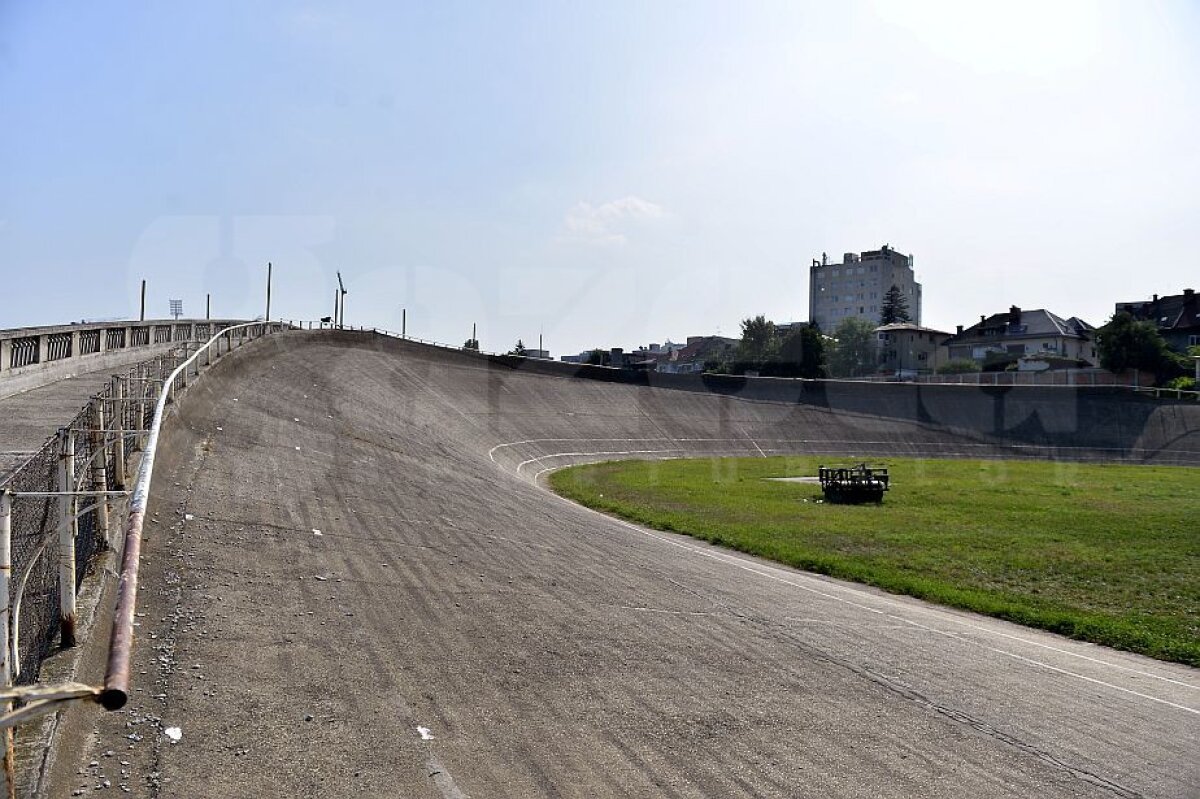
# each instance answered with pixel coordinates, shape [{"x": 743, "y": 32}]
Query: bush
[
  {"x": 958, "y": 366},
  {"x": 1182, "y": 384}
]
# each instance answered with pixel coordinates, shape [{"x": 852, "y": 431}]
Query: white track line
[
  {"x": 961, "y": 444},
  {"x": 522, "y": 464}
]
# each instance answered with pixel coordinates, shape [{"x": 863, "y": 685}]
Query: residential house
[
  {"x": 698, "y": 351},
  {"x": 1007, "y": 337},
  {"x": 1177, "y": 317},
  {"x": 906, "y": 349}
]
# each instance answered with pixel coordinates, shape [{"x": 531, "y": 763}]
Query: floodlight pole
[
  {"x": 142, "y": 316},
  {"x": 268, "y": 316}
]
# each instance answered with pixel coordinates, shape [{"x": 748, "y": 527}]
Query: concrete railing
[{"x": 33, "y": 355}]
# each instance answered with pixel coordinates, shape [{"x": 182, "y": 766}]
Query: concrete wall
[
  {"x": 117, "y": 349},
  {"x": 1067, "y": 422}
]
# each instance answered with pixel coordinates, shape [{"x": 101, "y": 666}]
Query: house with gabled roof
[
  {"x": 1018, "y": 333},
  {"x": 1176, "y": 316}
]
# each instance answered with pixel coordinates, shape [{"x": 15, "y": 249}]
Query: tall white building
[{"x": 854, "y": 288}]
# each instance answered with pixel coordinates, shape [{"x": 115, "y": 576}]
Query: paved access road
[
  {"x": 28, "y": 419},
  {"x": 365, "y": 598}
]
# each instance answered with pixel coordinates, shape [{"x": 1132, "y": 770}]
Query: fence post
[
  {"x": 100, "y": 472},
  {"x": 183, "y": 374},
  {"x": 66, "y": 536},
  {"x": 118, "y": 423},
  {"x": 7, "y": 781}
]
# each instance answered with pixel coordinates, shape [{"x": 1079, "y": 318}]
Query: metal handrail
[{"x": 115, "y": 693}]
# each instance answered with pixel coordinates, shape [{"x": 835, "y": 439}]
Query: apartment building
[{"x": 855, "y": 287}]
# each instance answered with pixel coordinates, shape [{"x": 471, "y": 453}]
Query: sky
[{"x": 595, "y": 173}]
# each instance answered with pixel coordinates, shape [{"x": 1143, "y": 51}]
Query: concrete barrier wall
[
  {"x": 34, "y": 356},
  {"x": 1111, "y": 422}
]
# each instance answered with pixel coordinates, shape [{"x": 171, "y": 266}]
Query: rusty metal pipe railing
[
  {"x": 41, "y": 699},
  {"x": 115, "y": 693}
]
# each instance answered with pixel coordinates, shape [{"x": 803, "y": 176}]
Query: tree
[
  {"x": 854, "y": 350},
  {"x": 518, "y": 350},
  {"x": 597, "y": 357},
  {"x": 802, "y": 353},
  {"x": 895, "y": 307},
  {"x": 759, "y": 341},
  {"x": 471, "y": 344},
  {"x": 1124, "y": 343}
]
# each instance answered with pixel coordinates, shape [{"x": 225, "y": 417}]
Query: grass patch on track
[{"x": 1102, "y": 553}]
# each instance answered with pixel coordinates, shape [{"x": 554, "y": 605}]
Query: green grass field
[{"x": 1103, "y": 553}]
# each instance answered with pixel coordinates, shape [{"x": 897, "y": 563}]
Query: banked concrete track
[{"x": 456, "y": 630}]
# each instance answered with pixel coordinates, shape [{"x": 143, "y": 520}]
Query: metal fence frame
[{"x": 54, "y": 525}]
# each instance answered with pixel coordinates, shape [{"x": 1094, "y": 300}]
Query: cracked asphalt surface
[{"x": 354, "y": 585}]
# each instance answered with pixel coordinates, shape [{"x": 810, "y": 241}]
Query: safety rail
[
  {"x": 1169, "y": 393},
  {"x": 27, "y": 350},
  {"x": 61, "y": 500}
]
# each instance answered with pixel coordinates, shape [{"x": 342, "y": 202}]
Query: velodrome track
[{"x": 457, "y": 630}]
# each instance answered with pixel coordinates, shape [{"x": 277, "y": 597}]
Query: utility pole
[
  {"x": 403, "y": 323},
  {"x": 268, "y": 316},
  {"x": 142, "y": 315},
  {"x": 207, "y": 306}
]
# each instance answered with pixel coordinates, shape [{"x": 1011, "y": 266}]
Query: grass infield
[{"x": 1102, "y": 553}]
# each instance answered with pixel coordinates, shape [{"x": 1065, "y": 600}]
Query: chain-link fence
[{"x": 57, "y": 485}]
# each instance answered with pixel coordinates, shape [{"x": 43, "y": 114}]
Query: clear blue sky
[{"x": 609, "y": 173}]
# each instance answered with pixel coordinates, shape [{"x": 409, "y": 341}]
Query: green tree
[
  {"x": 802, "y": 353},
  {"x": 519, "y": 349},
  {"x": 759, "y": 341},
  {"x": 597, "y": 357},
  {"x": 895, "y": 307},
  {"x": 854, "y": 351},
  {"x": 1125, "y": 343}
]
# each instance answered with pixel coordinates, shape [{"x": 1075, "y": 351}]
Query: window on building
[
  {"x": 1193, "y": 341},
  {"x": 861, "y": 309}
]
